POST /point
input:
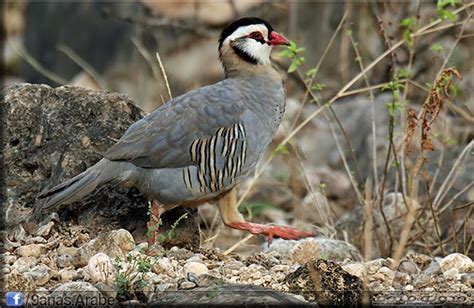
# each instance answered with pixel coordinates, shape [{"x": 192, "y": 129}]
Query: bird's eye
[{"x": 256, "y": 35}]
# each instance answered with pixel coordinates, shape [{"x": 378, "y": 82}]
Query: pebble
[
  {"x": 67, "y": 275},
  {"x": 65, "y": 250},
  {"x": 187, "y": 285},
  {"x": 468, "y": 279},
  {"x": 451, "y": 273},
  {"x": 19, "y": 233},
  {"x": 63, "y": 261},
  {"x": 123, "y": 239},
  {"x": 162, "y": 265},
  {"x": 31, "y": 250},
  {"x": 40, "y": 274},
  {"x": 44, "y": 230},
  {"x": 357, "y": 269},
  {"x": 196, "y": 268},
  {"x": 166, "y": 287},
  {"x": 24, "y": 264},
  {"x": 408, "y": 288},
  {"x": 206, "y": 280},
  {"x": 36, "y": 240},
  {"x": 101, "y": 269},
  {"x": 455, "y": 260},
  {"x": 9, "y": 259}
]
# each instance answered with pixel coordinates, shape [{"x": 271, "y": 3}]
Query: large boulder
[{"x": 53, "y": 134}]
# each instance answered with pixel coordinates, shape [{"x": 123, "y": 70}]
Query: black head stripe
[{"x": 247, "y": 21}]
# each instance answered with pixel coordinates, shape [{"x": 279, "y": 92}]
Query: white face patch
[{"x": 255, "y": 49}]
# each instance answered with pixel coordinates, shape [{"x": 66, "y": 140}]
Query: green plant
[
  {"x": 169, "y": 234},
  {"x": 130, "y": 280},
  {"x": 443, "y": 12},
  {"x": 293, "y": 52}
]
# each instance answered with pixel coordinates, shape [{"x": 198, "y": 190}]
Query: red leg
[
  {"x": 233, "y": 219},
  {"x": 154, "y": 224},
  {"x": 283, "y": 232}
]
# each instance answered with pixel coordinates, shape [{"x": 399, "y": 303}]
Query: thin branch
[
  {"x": 164, "y": 75},
  {"x": 148, "y": 58}
]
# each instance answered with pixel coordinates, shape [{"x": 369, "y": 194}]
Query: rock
[
  {"x": 64, "y": 261},
  {"x": 32, "y": 250},
  {"x": 373, "y": 266},
  {"x": 451, "y": 273},
  {"x": 40, "y": 274},
  {"x": 162, "y": 287},
  {"x": 187, "y": 285},
  {"x": 67, "y": 275},
  {"x": 114, "y": 244},
  {"x": 197, "y": 268},
  {"x": 101, "y": 269},
  {"x": 24, "y": 264},
  {"x": 408, "y": 267},
  {"x": 222, "y": 295},
  {"x": 329, "y": 248},
  {"x": 455, "y": 260},
  {"x": 84, "y": 291},
  {"x": 36, "y": 240},
  {"x": 326, "y": 282},
  {"x": 357, "y": 269},
  {"x": 206, "y": 280},
  {"x": 49, "y": 125},
  {"x": 8, "y": 258},
  {"x": 65, "y": 250},
  {"x": 19, "y": 233},
  {"x": 305, "y": 251},
  {"x": 162, "y": 265},
  {"x": 9, "y": 245},
  {"x": 44, "y": 230},
  {"x": 265, "y": 259},
  {"x": 468, "y": 279},
  {"x": 179, "y": 253}
]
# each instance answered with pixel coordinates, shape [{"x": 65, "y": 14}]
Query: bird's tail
[{"x": 80, "y": 185}]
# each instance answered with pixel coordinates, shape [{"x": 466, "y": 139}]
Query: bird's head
[{"x": 251, "y": 39}]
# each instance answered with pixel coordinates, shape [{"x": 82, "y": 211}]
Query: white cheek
[{"x": 257, "y": 50}]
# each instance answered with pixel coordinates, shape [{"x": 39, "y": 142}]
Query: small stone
[
  {"x": 39, "y": 274},
  {"x": 357, "y": 269},
  {"x": 179, "y": 253},
  {"x": 156, "y": 250},
  {"x": 19, "y": 233},
  {"x": 305, "y": 251},
  {"x": 24, "y": 264},
  {"x": 36, "y": 240},
  {"x": 408, "y": 267},
  {"x": 468, "y": 279},
  {"x": 455, "y": 260},
  {"x": 142, "y": 246},
  {"x": 162, "y": 287},
  {"x": 280, "y": 268},
  {"x": 67, "y": 275},
  {"x": 258, "y": 282},
  {"x": 101, "y": 269},
  {"x": 63, "y": 261},
  {"x": 123, "y": 239},
  {"x": 32, "y": 250},
  {"x": 374, "y": 265},
  {"x": 162, "y": 265},
  {"x": 65, "y": 250},
  {"x": 196, "y": 268},
  {"x": 187, "y": 285},
  {"x": 433, "y": 269},
  {"x": 44, "y": 230},
  {"x": 206, "y": 280},
  {"x": 9, "y": 259},
  {"x": 6, "y": 270},
  {"x": 408, "y": 287},
  {"x": 451, "y": 273},
  {"x": 428, "y": 289}
]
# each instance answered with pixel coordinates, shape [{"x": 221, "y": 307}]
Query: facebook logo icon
[{"x": 14, "y": 299}]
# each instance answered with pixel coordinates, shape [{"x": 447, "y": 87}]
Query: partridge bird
[{"x": 200, "y": 145}]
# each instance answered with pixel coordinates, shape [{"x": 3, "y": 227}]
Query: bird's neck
[{"x": 236, "y": 67}]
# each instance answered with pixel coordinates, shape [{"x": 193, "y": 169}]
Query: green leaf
[
  {"x": 407, "y": 22},
  {"x": 282, "y": 149},
  {"x": 318, "y": 86},
  {"x": 436, "y": 47}
]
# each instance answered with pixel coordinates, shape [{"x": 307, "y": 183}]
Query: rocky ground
[{"x": 54, "y": 258}]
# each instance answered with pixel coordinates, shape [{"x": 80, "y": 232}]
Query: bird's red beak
[{"x": 277, "y": 39}]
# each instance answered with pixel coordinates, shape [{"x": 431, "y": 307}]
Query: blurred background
[{"x": 339, "y": 174}]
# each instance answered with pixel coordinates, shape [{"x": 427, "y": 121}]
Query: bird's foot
[{"x": 286, "y": 233}]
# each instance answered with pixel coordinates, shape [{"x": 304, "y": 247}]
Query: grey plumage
[
  {"x": 200, "y": 145},
  {"x": 194, "y": 147}
]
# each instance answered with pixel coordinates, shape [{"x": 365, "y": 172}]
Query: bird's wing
[{"x": 163, "y": 138}]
